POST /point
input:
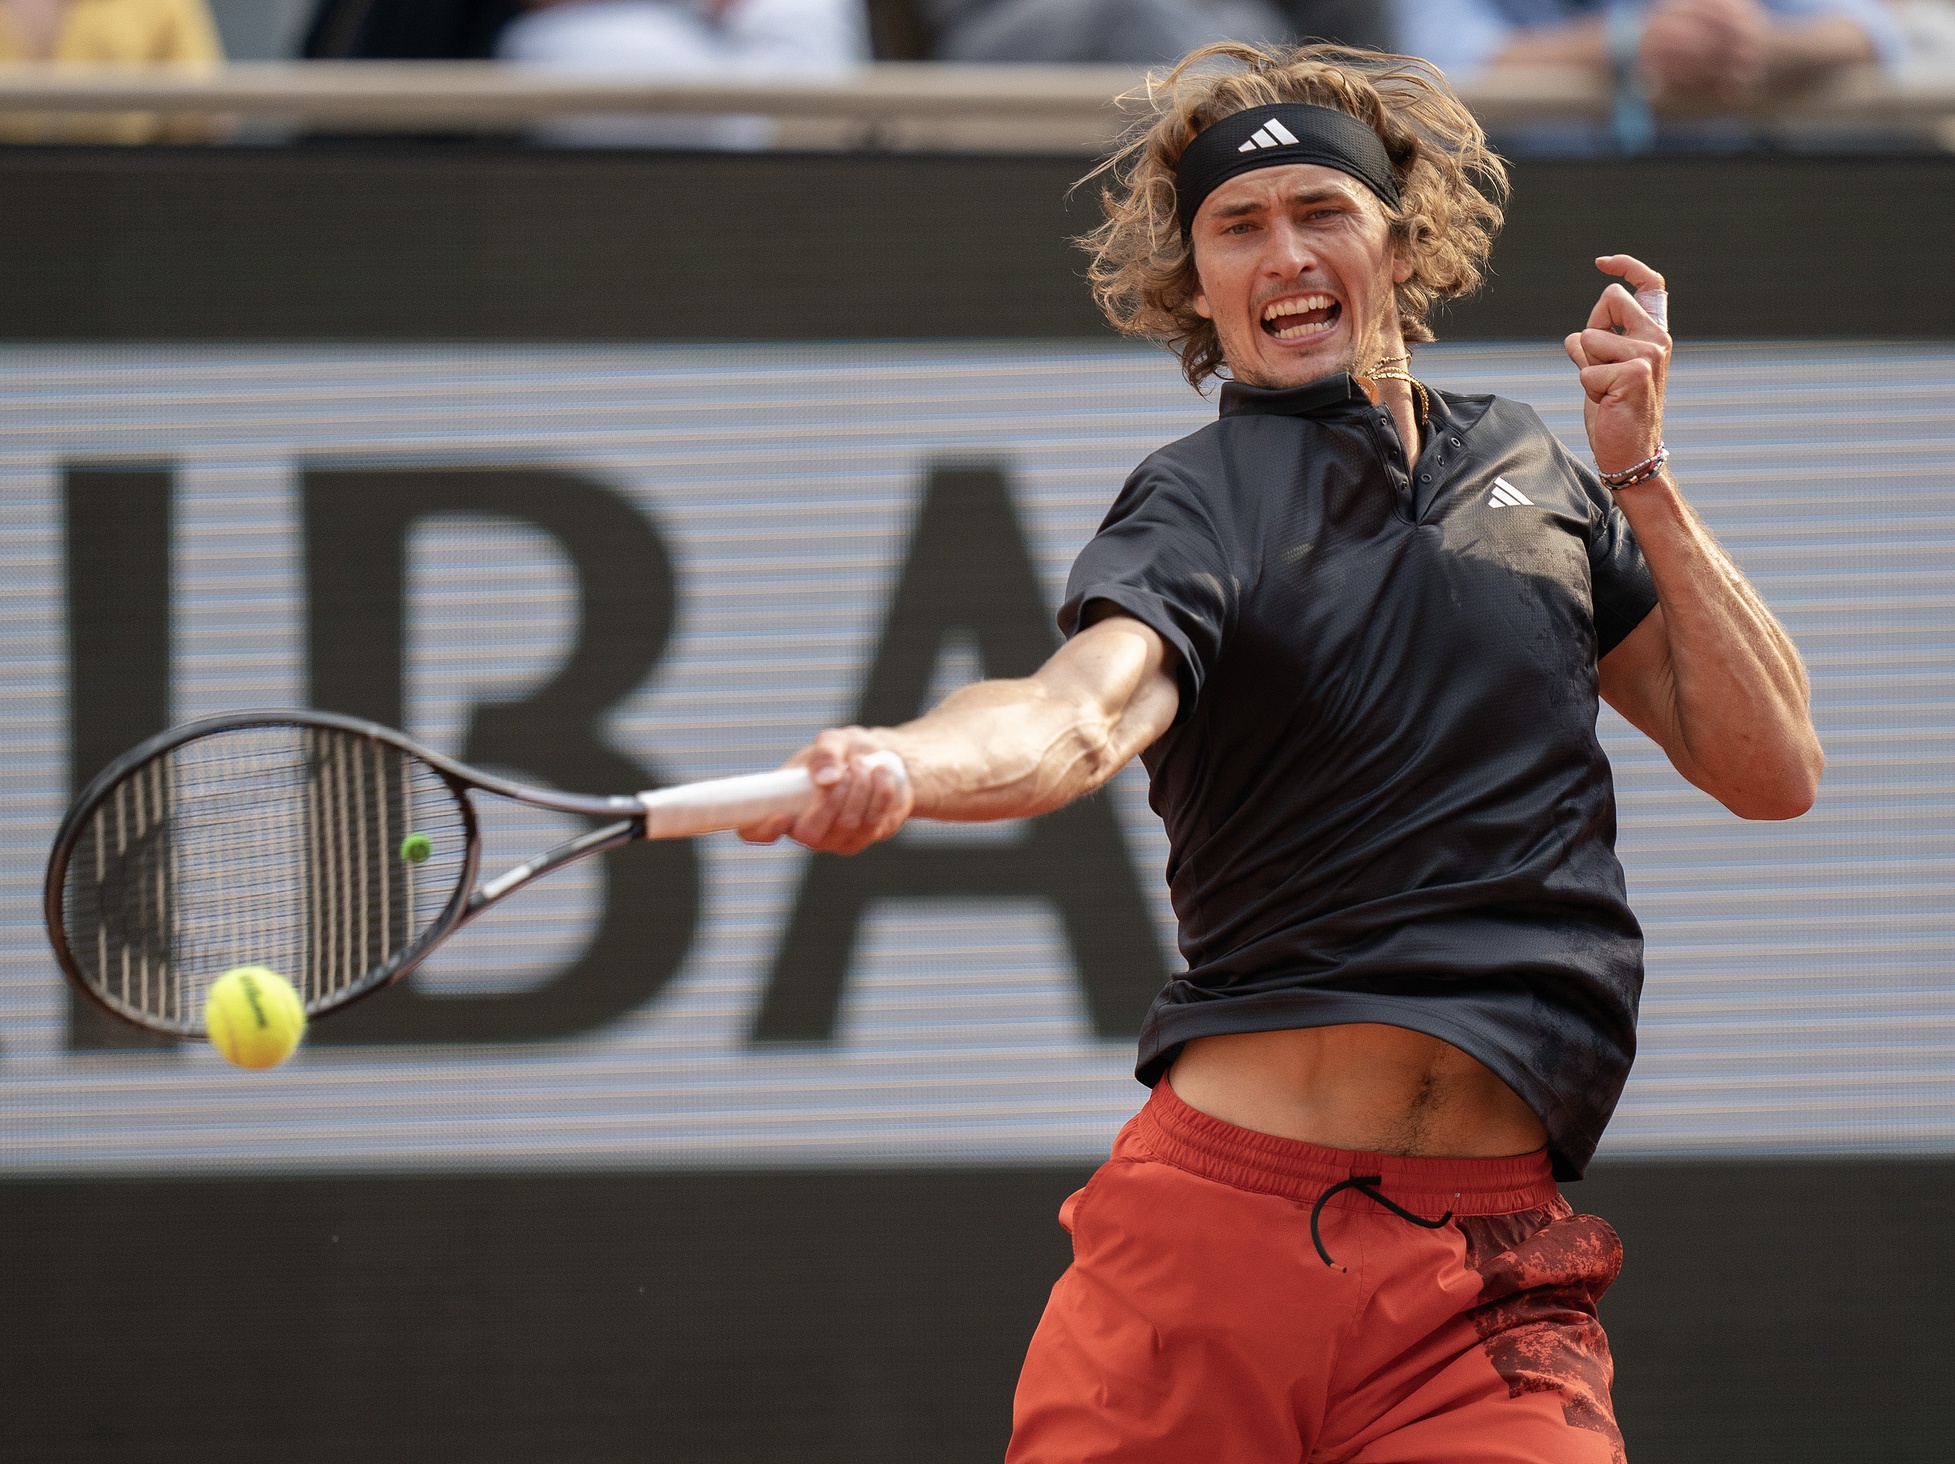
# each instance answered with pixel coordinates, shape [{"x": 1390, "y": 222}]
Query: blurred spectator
[
  {"x": 90, "y": 32},
  {"x": 1139, "y": 32},
  {"x": 406, "y": 30},
  {"x": 638, "y": 37},
  {"x": 1704, "y": 51},
  {"x": 1928, "y": 27},
  {"x": 649, "y": 39},
  {"x": 674, "y": 40}
]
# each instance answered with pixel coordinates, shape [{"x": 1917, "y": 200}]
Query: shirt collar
[
  {"x": 1330, "y": 392},
  {"x": 1239, "y": 399}
]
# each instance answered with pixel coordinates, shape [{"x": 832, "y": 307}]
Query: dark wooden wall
[
  {"x": 1783, "y": 1311},
  {"x": 482, "y": 242}
]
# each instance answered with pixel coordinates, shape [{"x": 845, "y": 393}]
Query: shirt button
[
  {"x": 1458, "y": 443},
  {"x": 1425, "y": 477}
]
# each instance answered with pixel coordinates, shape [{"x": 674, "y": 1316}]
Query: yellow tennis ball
[{"x": 253, "y": 1016}]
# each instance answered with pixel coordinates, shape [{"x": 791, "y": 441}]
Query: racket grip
[{"x": 733, "y": 803}]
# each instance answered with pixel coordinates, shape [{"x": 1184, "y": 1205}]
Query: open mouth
[{"x": 1300, "y": 317}]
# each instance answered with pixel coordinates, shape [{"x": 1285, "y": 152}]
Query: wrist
[
  {"x": 1628, "y": 475},
  {"x": 1658, "y": 486},
  {"x": 913, "y": 755}
]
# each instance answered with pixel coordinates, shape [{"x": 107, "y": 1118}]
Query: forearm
[
  {"x": 1014, "y": 749},
  {"x": 1579, "y": 44},
  {"x": 1801, "y": 50},
  {"x": 1734, "y": 701},
  {"x": 993, "y": 750},
  {"x": 1009, "y": 749}
]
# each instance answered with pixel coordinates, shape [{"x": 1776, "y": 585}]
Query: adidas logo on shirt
[
  {"x": 1271, "y": 134},
  {"x": 1506, "y": 495}
]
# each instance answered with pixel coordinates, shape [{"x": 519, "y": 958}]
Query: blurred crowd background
[{"x": 1702, "y": 56}]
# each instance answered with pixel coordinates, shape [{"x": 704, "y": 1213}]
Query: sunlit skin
[{"x": 1708, "y": 675}]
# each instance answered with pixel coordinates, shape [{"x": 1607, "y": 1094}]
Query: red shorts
[{"x": 1199, "y": 1322}]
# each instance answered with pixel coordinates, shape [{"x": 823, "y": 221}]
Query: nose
[{"x": 1289, "y": 253}]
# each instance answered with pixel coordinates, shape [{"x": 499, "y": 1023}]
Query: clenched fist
[{"x": 1624, "y": 357}]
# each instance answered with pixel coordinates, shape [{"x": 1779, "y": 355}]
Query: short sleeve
[
  {"x": 1623, "y": 591},
  {"x": 1158, "y": 558}
]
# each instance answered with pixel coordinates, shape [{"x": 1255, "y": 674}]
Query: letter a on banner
[{"x": 969, "y": 571}]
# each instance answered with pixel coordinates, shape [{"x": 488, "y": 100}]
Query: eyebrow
[{"x": 1329, "y": 194}]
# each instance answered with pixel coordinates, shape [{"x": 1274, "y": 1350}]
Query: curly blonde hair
[{"x": 1451, "y": 185}]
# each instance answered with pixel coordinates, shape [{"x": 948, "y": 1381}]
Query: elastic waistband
[{"x": 1169, "y": 1130}]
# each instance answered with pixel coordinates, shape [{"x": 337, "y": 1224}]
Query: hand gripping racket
[{"x": 335, "y": 851}]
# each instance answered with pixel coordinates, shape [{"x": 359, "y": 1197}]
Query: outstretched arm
[
  {"x": 994, "y": 749},
  {"x": 1709, "y": 675}
]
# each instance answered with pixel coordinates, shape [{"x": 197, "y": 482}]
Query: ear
[
  {"x": 1401, "y": 265},
  {"x": 1200, "y": 302}
]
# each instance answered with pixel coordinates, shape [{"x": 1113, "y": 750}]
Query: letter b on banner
[{"x": 357, "y": 523}]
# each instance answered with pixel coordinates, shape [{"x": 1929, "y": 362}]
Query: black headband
[{"x": 1269, "y": 137}]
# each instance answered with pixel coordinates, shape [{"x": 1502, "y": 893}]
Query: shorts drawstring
[{"x": 1366, "y": 1185}]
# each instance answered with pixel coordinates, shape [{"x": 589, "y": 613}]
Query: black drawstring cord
[{"x": 1366, "y": 1185}]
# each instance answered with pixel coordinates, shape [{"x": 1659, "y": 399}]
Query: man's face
[{"x": 1296, "y": 267}]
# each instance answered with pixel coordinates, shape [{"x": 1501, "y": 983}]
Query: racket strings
[{"x": 279, "y": 846}]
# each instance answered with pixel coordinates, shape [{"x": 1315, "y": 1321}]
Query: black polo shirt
[{"x": 1384, "y": 796}]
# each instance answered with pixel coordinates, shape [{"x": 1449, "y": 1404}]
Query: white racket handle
[{"x": 733, "y": 803}]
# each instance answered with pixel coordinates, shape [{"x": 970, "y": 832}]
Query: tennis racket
[{"x": 335, "y": 851}]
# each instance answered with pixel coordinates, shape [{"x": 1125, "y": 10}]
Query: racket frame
[{"x": 626, "y": 813}]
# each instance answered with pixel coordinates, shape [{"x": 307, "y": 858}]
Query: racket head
[{"x": 277, "y": 839}]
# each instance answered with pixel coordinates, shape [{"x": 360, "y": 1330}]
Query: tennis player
[{"x": 1356, "y": 628}]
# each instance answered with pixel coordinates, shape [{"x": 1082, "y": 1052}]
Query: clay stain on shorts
[{"x": 1542, "y": 1273}]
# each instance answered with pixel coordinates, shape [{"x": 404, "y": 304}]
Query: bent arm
[
  {"x": 1011, "y": 749},
  {"x": 1710, "y": 675},
  {"x": 994, "y": 749}
]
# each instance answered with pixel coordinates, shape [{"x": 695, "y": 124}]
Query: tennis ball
[
  {"x": 253, "y": 1016},
  {"x": 416, "y": 848}
]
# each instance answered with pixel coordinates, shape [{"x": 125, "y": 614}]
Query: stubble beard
[{"x": 1345, "y": 362}]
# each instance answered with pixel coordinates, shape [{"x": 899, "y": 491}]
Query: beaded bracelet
[{"x": 1642, "y": 472}]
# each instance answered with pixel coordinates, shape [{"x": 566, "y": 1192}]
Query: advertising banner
[{"x": 610, "y": 569}]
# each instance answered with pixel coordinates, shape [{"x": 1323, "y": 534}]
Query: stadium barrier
[{"x": 888, "y": 104}]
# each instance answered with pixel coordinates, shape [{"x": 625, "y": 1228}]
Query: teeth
[
  {"x": 1294, "y": 332},
  {"x": 1297, "y": 305}
]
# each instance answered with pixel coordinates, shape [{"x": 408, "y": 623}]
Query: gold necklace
[{"x": 1392, "y": 368}]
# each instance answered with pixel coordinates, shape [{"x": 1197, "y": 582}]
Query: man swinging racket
[{"x": 1356, "y": 629}]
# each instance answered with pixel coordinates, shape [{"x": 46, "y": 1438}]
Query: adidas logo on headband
[{"x": 1271, "y": 134}]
